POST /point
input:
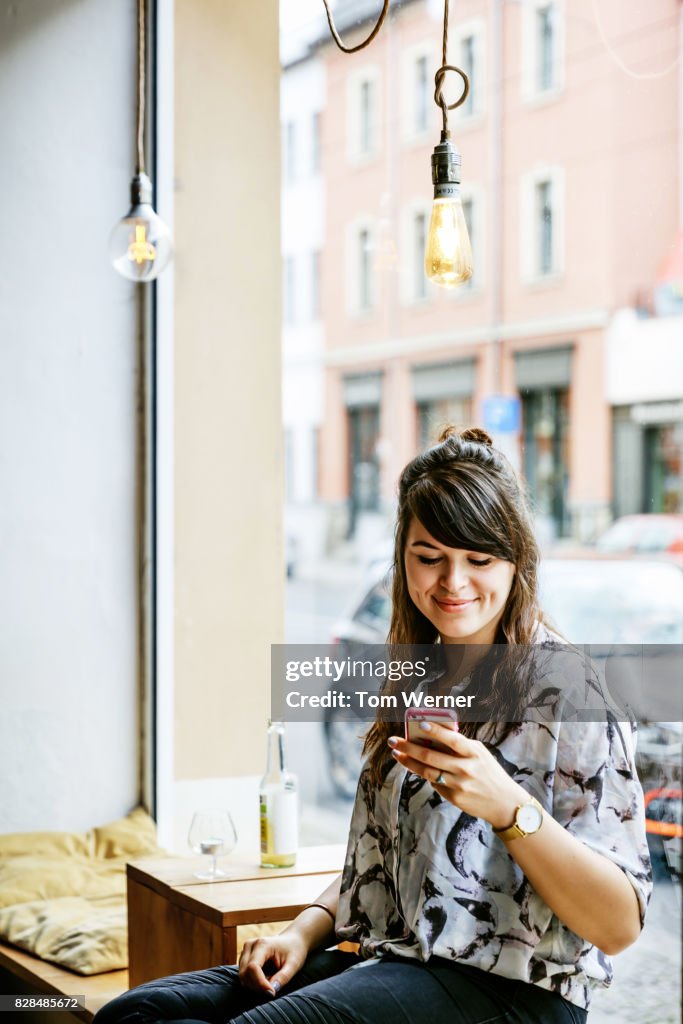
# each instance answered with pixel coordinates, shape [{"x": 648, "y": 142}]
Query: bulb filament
[{"x": 141, "y": 250}]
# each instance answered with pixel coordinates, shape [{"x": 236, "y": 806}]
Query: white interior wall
[{"x": 68, "y": 379}]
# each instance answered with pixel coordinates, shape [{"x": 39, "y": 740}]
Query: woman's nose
[{"x": 454, "y": 577}]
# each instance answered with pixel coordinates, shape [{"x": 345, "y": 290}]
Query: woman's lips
[{"x": 455, "y": 606}]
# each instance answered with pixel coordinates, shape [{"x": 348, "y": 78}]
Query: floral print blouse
[{"x": 422, "y": 878}]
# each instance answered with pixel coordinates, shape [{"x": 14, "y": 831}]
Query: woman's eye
[
  {"x": 480, "y": 562},
  {"x": 428, "y": 561}
]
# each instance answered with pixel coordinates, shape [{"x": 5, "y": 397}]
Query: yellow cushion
[
  {"x": 92, "y": 865},
  {"x": 82, "y": 935},
  {"x": 132, "y": 836},
  {"x": 62, "y": 894},
  {"x": 18, "y": 843}
]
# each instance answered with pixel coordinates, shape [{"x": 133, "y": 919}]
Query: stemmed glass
[{"x": 212, "y": 833}]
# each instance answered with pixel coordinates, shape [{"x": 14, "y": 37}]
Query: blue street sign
[{"x": 502, "y": 414}]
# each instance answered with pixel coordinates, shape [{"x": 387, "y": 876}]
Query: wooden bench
[
  {"x": 195, "y": 924},
  {"x": 35, "y": 975}
]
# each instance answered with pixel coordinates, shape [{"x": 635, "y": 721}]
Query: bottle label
[{"x": 279, "y": 822}]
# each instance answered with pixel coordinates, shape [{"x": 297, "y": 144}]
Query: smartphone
[{"x": 440, "y": 716}]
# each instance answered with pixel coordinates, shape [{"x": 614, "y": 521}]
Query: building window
[
  {"x": 316, "y": 126},
  {"x": 288, "y": 290},
  {"x": 360, "y": 267},
  {"x": 419, "y": 244},
  {"x": 422, "y": 95},
  {"x": 289, "y": 147},
  {"x": 470, "y": 52},
  {"x": 473, "y": 209},
  {"x": 289, "y": 464},
  {"x": 315, "y": 285},
  {"x": 364, "y": 271},
  {"x": 545, "y": 48},
  {"x": 434, "y": 415},
  {"x": 542, "y": 224},
  {"x": 468, "y": 212},
  {"x": 366, "y": 117},
  {"x": 468, "y": 62},
  {"x": 315, "y": 462},
  {"x": 362, "y": 115},
  {"x": 544, "y": 227},
  {"x": 542, "y": 48}
]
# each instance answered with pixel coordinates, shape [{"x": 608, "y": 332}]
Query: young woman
[{"x": 487, "y": 879}]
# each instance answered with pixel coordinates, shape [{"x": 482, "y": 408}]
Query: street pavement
[{"x": 647, "y": 983}]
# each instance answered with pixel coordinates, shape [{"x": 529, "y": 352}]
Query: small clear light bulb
[
  {"x": 448, "y": 254},
  {"x": 140, "y": 245}
]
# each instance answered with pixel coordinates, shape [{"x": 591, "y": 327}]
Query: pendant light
[
  {"x": 448, "y": 253},
  {"x": 140, "y": 245}
]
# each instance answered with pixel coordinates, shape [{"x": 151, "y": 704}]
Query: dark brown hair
[{"x": 467, "y": 495}]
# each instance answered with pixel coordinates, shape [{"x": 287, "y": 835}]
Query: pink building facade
[{"x": 570, "y": 174}]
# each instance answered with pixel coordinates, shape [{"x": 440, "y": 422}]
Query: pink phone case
[{"x": 413, "y": 717}]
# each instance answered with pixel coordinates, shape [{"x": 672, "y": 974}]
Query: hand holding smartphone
[{"x": 439, "y": 716}]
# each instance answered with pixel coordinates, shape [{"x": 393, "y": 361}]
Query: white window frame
[
  {"x": 315, "y": 156},
  {"x": 409, "y": 294},
  {"x": 354, "y": 308},
  {"x": 531, "y": 93},
  {"x": 529, "y": 226},
  {"x": 474, "y": 28},
  {"x": 289, "y": 271},
  {"x": 474, "y": 192},
  {"x": 315, "y": 289},
  {"x": 289, "y": 151},
  {"x": 411, "y": 132},
  {"x": 356, "y": 154}
]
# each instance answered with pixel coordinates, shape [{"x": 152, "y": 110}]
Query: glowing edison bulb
[
  {"x": 140, "y": 245},
  {"x": 141, "y": 249},
  {"x": 448, "y": 256}
]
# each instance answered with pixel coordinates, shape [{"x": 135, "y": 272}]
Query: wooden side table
[{"x": 178, "y": 923}]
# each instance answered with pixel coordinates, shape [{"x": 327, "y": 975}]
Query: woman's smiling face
[{"x": 462, "y": 593}]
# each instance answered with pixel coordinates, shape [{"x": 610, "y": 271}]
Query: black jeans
[{"x": 340, "y": 988}]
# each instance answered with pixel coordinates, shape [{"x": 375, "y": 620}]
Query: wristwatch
[{"x": 528, "y": 819}]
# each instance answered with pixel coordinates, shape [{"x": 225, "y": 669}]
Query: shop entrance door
[
  {"x": 545, "y": 419},
  {"x": 664, "y": 468},
  {"x": 364, "y": 464}
]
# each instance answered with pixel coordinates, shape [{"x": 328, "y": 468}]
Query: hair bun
[{"x": 470, "y": 434}]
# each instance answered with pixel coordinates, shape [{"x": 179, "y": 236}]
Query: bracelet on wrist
[{"x": 323, "y": 907}]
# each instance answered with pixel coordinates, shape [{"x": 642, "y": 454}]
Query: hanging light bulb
[
  {"x": 140, "y": 245},
  {"x": 448, "y": 255}
]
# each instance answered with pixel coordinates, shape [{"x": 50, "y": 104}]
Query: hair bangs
[{"x": 461, "y": 513}]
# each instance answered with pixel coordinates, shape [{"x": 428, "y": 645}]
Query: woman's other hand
[
  {"x": 473, "y": 780},
  {"x": 268, "y": 963}
]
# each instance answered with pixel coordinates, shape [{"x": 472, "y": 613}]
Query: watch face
[{"x": 529, "y": 818}]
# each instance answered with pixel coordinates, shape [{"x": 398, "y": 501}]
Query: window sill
[
  {"x": 533, "y": 100},
  {"x": 361, "y": 315},
  {"x": 362, "y": 159},
  {"x": 469, "y": 122},
  {"x": 460, "y": 294},
  {"x": 542, "y": 281},
  {"x": 415, "y": 139},
  {"x": 418, "y": 302}
]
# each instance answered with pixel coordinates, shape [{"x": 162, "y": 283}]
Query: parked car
[
  {"x": 649, "y": 534},
  {"x": 590, "y": 601}
]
